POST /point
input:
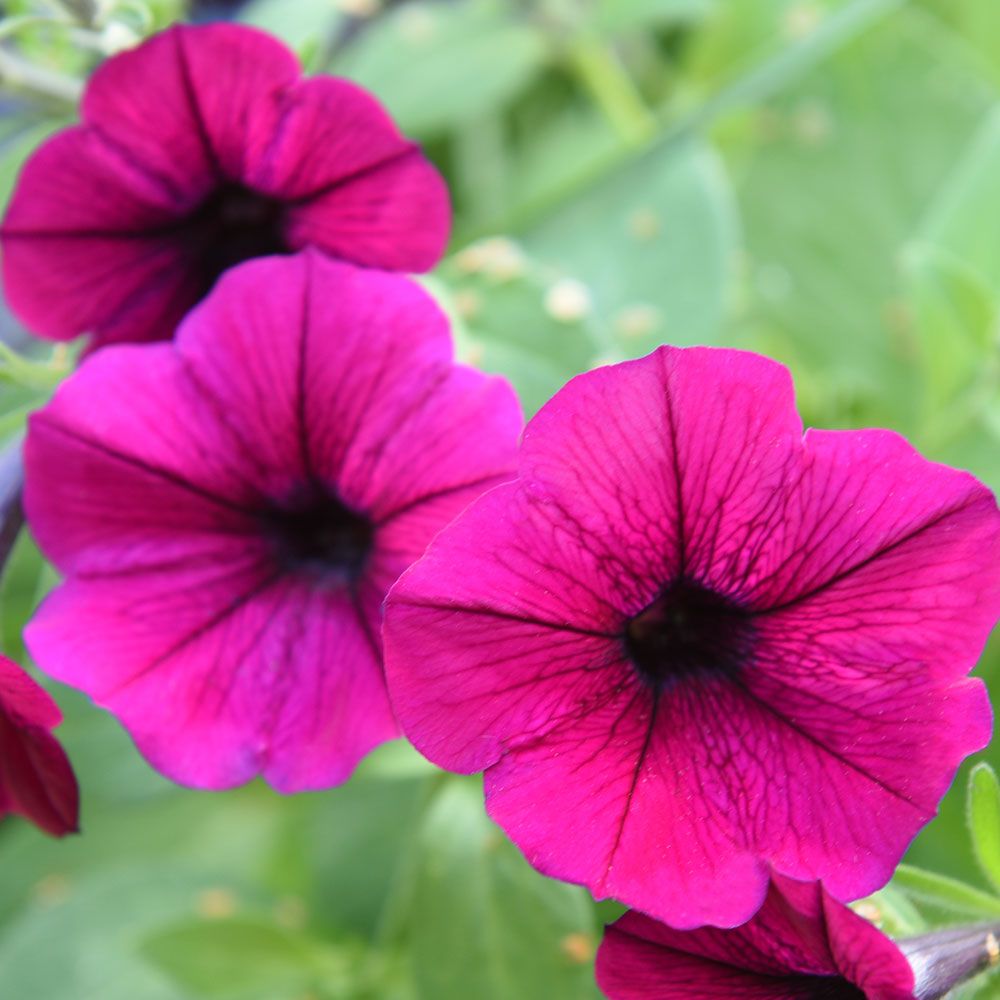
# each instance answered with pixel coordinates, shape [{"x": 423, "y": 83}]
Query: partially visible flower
[
  {"x": 230, "y": 509},
  {"x": 199, "y": 149},
  {"x": 690, "y": 645},
  {"x": 36, "y": 778},
  {"x": 801, "y": 945}
]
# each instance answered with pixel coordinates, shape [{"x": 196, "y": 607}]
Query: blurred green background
[{"x": 812, "y": 179}]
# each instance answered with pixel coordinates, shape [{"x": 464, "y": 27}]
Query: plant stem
[
  {"x": 942, "y": 960},
  {"x": 602, "y": 74}
]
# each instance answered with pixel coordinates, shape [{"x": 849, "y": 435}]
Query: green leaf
[
  {"x": 483, "y": 923},
  {"x": 436, "y": 67},
  {"x": 80, "y": 940},
  {"x": 893, "y": 911},
  {"x": 506, "y": 322},
  {"x": 946, "y": 893},
  {"x": 619, "y": 16},
  {"x": 961, "y": 219},
  {"x": 244, "y": 957},
  {"x": 655, "y": 245},
  {"x": 300, "y": 23},
  {"x": 984, "y": 820},
  {"x": 833, "y": 194}
]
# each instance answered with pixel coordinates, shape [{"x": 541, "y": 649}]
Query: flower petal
[
  {"x": 183, "y": 130},
  {"x": 364, "y": 192},
  {"x": 222, "y": 669},
  {"x": 792, "y": 949},
  {"x": 36, "y": 778},
  {"x": 383, "y": 426},
  {"x": 84, "y": 246}
]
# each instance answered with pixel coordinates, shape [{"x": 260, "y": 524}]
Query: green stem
[{"x": 603, "y": 75}]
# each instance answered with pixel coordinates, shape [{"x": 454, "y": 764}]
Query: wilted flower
[
  {"x": 231, "y": 508},
  {"x": 801, "y": 945},
  {"x": 199, "y": 149},
  {"x": 690, "y": 645},
  {"x": 36, "y": 778}
]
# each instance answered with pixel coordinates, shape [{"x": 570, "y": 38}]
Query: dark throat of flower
[
  {"x": 823, "y": 988},
  {"x": 315, "y": 534},
  {"x": 232, "y": 225},
  {"x": 689, "y": 632}
]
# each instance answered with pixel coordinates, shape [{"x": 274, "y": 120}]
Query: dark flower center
[
  {"x": 318, "y": 535},
  {"x": 232, "y": 225},
  {"x": 827, "y": 988},
  {"x": 689, "y": 631}
]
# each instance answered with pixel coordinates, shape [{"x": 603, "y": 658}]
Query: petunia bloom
[
  {"x": 690, "y": 645},
  {"x": 36, "y": 778},
  {"x": 801, "y": 945},
  {"x": 199, "y": 149},
  {"x": 230, "y": 509}
]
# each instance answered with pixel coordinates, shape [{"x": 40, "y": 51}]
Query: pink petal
[
  {"x": 224, "y": 657},
  {"x": 87, "y": 253},
  {"x": 792, "y": 948},
  {"x": 859, "y": 575},
  {"x": 110, "y": 488},
  {"x": 361, "y": 387},
  {"x": 213, "y": 109},
  {"x": 359, "y": 189},
  {"x": 36, "y": 778},
  {"x": 223, "y": 669}
]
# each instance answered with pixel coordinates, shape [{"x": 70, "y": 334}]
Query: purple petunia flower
[
  {"x": 231, "y": 508},
  {"x": 36, "y": 778},
  {"x": 690, "y": 644},
  {"x": 199, "y": 149},
  {"x": 801, "y": 945}
]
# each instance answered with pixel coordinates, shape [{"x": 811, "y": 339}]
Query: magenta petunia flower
[
  {"x": 36, "y": 778},
  {"x": 199, "y": 149},
  {"x": 801, "y": 945},
  {"x": 689, "y": 644},
  {"x": 231, "y": 508}
]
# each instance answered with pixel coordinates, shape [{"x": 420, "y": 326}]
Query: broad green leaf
[
  {"x": 654, "y": 243},
  {"x": 961, "y": 219},
  {"x": 893, "y": 911},
  {"x": 984, "y": 820},
  {"x": 243, "y": 958},
  {"x": 617, "y": 16},
  {"x": 344, "y": 852},
  {"x": 300, "y": 23},
  {"x": 946, "y": 893},
  {"x": 437, "y": 66},
  {"x": 80, "y": 940},
  {"x": 832, "y": 196},
  {"x": 954, "y": 313},
  {"x": 482, "y": 923},
  {"x": 514, "y": 322}
]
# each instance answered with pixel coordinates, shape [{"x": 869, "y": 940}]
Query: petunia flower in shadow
[
  {"x": 36, "y": 778},
  {"x": 689, "y": 644},
  {"x": 230, "y": 509},
  {"x": 198, "y": 150},
  {"x": 801, "y": 945}
]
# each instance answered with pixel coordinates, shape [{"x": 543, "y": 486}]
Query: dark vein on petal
[
  {"x": 819, "y": 744},
  {"x": 436, "y": 495},
  {"x": 399, "y": 155},
  {"x": 510, "y": 616},
  {"x": 878, "y": 554},
  {"x": 678, "y": 482},
  {"x": 238, "y": 602},
  {"x": 643, "y": 753},
  {"x": 302, "y": 432},
  {"x": 192, "y": 99},
  {"x": 154, "y": 470}
]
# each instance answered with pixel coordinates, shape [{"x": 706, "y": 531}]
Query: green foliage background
[{"x": 813, "y": 179}]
